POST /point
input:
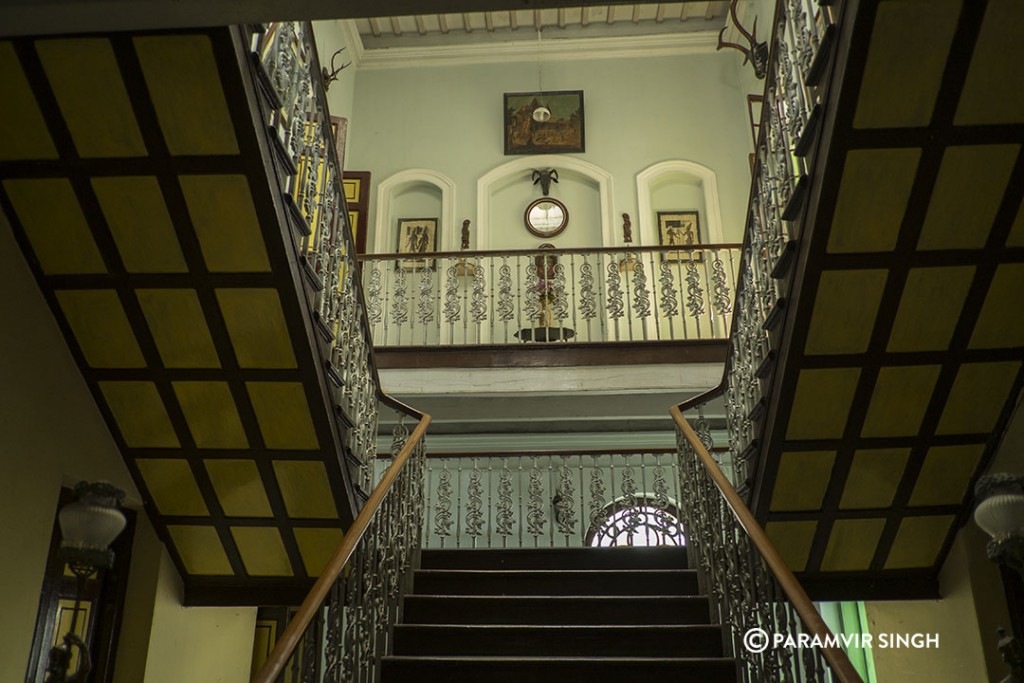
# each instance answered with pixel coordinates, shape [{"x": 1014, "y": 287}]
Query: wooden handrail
[
  {"x": 551, "y": 252},
  {"x": 285, "y": 645},
  {"x": 842, "y": 668}
]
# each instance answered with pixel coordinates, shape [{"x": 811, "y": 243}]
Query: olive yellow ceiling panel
[
  {"x": 305, "y": 489},
  {"x": 200, "y": 549},
  {"x": 317, "y": 547},
  {"x": 930, "y": 308},
  {"x": 793, "y": 541},
  {"x": 873, "y": 197},
  {"x": 140, "y": 414},
  {"x": 822, "y": 403},
  {"x": 225, "y": 222},
  {"x": 262, "y": 551},
  {"x": 239, "y": 488},
  {"x": 257, "y": 328},
  {"x": 852, "y": 544},
  {"x": 1016, "y": 236},
  {"x": 874, "y": 476},
  {"x": 845, "y": 307},
  {"x": 966, "y": 196},
  {"x": 979, "y": 393},
  {"x": 52, "y": 218},
  {"x": 910, "y": 42},
  {"x": 283, "y": 413},
  {"x": 802, "y": 480},
  {"x": 101, "y": 328},
  {"x": 183, "y": 82},
  {"x": 92, "y": 97},
  {"x": 1001, "y": 321},
  {"x": 900, "y": 399},
  {"x": 945, "y": 474},
  {"x": 176, "y": 321},
  {"x": 211, "y": 414},
  {"x": 142, "y": 229},
  {"x": 994, "y": 91},
  {"x": 23, "y": 132},
  {"x": 173, "y": 487},
  {"x": 918, "y": 542}
]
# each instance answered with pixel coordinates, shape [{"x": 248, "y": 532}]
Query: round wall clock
[{"x": 546, "y": 217}]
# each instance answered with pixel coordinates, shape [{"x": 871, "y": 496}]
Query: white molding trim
[
  {"x": 353, "y": 41},
  {"x": 517, "y": 167},
  {"x": 709, "y": 183},
  {"x": 575, "y": 49},
  {"x": 386, "y": 190}
]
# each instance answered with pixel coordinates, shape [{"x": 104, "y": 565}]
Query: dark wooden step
[
  {"x": 530, "y": 669},
  {"x": 555, "y": 582},
  {"x": 564, "y": 641},
  {"x": 662, "y": 557},
  {"x": 560, "y": 610}
]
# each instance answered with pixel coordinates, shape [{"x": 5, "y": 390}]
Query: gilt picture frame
[
  {"x": 563, "y": 133},
  {"x": 416, "y": 236},
  {"x": 680, "y": 228}
]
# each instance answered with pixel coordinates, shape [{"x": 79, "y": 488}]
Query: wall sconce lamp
[
  {"x": 88, "y": 526},
  {"x": 999, "y": 511}
]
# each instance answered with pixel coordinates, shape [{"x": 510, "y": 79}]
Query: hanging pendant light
[{"x": 541, "y": 114}]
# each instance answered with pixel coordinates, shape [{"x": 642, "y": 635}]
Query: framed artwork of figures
[
  {"x": 417, "y": 236},
  {"x": 679, "y": 228}
]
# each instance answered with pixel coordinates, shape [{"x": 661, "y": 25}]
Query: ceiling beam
[
  {"x": 375, "y": 27},
  {"x": 538, "y": 20},
  {"x": 489, "y": 21},
  {"x": 513, "y": 20},
  {"x": 585, "y": 16},
  {"x": 28, "y": 17},
  {"x": 636, "y": 14},
  {"x": 396, "y": 27},
  {"x": 660, "y": 16},
  {"x": 421, "y": 27},
  {"x": 443, "y": 23},
  {"x": 561, "y": 17},
  {"x": 467, "y": 24},
  {"x": 611, "y": 14}
]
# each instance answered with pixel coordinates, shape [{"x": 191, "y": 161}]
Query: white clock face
[{"x": 546, "y": 217}]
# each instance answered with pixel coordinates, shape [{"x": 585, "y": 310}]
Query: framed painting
[
  {"x": 679, "y": 228},
  {"x": 417, "y": 236},
  {"x": 562, "y": 132}
]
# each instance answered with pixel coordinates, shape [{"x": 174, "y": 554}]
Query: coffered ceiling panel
[
  {"x": 161, "y": 249},
  {"x": 906, "y": 347}
]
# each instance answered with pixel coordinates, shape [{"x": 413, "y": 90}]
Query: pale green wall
[
  {"x": 638, "y": 112},
  {"x": 340, "y": 94}
]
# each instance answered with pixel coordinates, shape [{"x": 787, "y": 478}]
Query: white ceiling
[{"x": 520, "y": 25}]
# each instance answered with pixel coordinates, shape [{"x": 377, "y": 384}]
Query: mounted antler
[
  {"x": 756, "y": 53},
  {"x": 332, "y": 75}
]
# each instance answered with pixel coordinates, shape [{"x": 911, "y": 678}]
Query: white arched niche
[
  {"x": 514, "y": 170},
  {"x": 385, "y": 233},
  {"x": 697, "y": 187}
]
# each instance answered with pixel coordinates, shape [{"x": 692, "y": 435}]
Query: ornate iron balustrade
[
  {"x": 294, "y": 108},
  {"x": 345, "y": 623},
  {"x": 803, "y": 38},
  {"x": 548, "y": 295},
  {"x": 750, "y": 586},
  {"x": 557, "y": 499}
]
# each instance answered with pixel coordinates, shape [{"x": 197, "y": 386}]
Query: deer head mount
[
  {"x": 756, "y": 53},
  {"x": 332, "y": 75},
  {"x": 545, "y": 178}
]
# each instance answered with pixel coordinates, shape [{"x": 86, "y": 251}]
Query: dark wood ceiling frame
[
  {"x": 28, "y": 17},
  {"x": 230, "y": 48},
  {"x": 878, "y": 583},
  {"x": 555, "y": 354}
]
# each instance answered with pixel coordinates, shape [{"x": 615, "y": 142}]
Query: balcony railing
[
  {"x": 551, "y": 295},
  {"x": 294, "y": 109}
]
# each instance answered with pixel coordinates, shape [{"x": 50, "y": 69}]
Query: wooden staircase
[{"x": 594, "y": 614}]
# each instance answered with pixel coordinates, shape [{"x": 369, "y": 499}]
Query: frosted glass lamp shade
[
  {"x": 541, "y": 114},
  {"x": 1000, "y": 505},
  {"x": 92, "y": 522}
]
